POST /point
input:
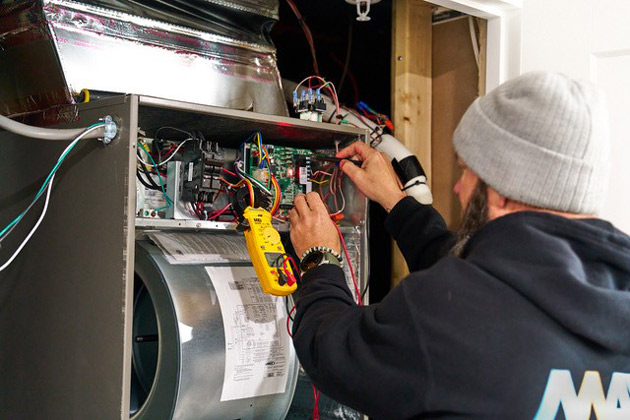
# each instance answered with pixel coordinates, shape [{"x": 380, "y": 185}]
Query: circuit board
[{"x": 292, "y": 167}]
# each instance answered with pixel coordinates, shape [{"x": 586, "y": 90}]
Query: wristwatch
[{"x": 317, "y": 257}]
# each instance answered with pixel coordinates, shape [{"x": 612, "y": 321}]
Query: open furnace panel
[
  {"x": 196, "y": 170},
  {"x": 197, "y": 178},
  {"x": 190, "y": 164}
]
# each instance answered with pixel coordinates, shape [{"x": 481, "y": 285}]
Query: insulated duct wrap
[{"x": 211, "y": 52}]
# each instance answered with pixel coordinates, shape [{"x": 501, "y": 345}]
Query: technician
[{"x": 524, "y": 314}]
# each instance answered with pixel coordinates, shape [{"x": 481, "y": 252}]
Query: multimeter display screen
[{"x": 274, "y": 259}]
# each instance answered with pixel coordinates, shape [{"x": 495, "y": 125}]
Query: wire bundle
[
  {"x": 332, "y": 177},
  {"x": 161, "y": 186},
  {"x": 46, "y": 186},
  {"x": 288, "y": 269},
  {"x": 157, "y": 161},
  {"x": 323, "y": 85},
  {"x": 271, "y": 188},
  {"x": 378, "y": 118}
]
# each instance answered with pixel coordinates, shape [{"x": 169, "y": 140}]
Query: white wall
[{"x": 588, "y": 39}]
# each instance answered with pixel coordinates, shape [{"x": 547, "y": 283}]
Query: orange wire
[
  {"x": 238, "y": 184},
  {"x": 277, "y": 195}
]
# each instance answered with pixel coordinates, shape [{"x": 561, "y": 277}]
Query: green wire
[
  {"x": 166, "y": 197},
  {"x": 47, "y": 180}
]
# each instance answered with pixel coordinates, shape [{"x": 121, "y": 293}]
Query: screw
[{"x": 399, "y": 58}]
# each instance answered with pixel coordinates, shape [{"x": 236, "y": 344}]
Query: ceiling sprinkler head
[{"x": 363, "y": 8}]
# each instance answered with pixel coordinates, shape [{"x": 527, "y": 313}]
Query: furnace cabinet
[{"x": 67, "y": 303}]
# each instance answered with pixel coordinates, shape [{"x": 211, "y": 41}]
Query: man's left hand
[{"x": 311, "y": 225}]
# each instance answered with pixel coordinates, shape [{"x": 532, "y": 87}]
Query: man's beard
[{"x": 475, "y": 217}]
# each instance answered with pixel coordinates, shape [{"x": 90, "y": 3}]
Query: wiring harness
[{"x": 105, "y": 130}]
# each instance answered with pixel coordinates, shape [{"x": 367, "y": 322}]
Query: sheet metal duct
[{"x": 212, "y": 52}]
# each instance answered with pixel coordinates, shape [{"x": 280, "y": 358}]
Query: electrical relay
[
  {"x": 310, "y": 105},
  {"x": 202, "y": 165}
]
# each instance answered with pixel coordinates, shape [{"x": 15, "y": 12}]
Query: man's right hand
[{"x": 375, "y": 178}]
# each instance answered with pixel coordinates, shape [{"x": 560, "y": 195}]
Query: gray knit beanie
[{"x": 541, "y": 139}]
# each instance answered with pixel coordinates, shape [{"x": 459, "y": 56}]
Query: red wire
[
  {"x": 287, "y": 272},
  {"x": 345, "y": 251},
  {"x": 307, "y": 33},
  {"x": 218, "y": 213},
  {"x": 295, "y": 267},
  {"x": 353, "y": 80},
  {"x": 169, "y": 151},
  {"x": 315, "y": 403}
]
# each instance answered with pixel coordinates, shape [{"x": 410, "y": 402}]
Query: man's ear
[
  {"x": 495, "y": 199},
  {"x": 498, "y": 205}
]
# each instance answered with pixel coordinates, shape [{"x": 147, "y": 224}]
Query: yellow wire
[
  {"x": 319, "y": 182},
  {"x": 238, "y": 184},
  {"x": 259, "y": 148}
]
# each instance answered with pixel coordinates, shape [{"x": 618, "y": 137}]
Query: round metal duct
[{"x": 179, "y": 347}]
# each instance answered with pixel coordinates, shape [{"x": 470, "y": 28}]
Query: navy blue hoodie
[{"x": 532, "y": 322}]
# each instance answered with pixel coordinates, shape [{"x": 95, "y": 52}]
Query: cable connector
[
  {"x": 110, "y": 130},
  {"x": 319, "y": 104},
  {"x": 296, "y": 102}
]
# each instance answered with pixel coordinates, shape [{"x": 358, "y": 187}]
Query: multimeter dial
[{"x": 271, "y": 235}]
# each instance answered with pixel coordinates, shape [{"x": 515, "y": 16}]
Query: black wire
[
  {"x": 157, "y": 149},
  {"x": 171, "y": 128},
  {"x": 144, "y": 182},
  {"x": 341, "y": 117},
  {"x": 154, "y": 185},
  {"x": 286, "y": 305},
  {"x": 365, "y": 289},
  {"x": 198, "y": 135}
]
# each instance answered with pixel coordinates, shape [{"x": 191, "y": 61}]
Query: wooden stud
[
  {"x": 483, "y": 52},
  {"x": 455, "y": 80},
  {"x": 411, "y": 89}
]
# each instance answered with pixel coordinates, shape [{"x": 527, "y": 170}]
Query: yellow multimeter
[{"x": 267, "y": 252}]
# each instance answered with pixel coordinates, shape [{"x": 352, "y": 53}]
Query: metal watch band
[
  {"x": 324, "y": 258},
  {"x": 322, "y": 249}
]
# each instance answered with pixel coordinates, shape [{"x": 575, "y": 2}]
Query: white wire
[
  {"x": 163, "y": 162},
  {"x": 39, "y": 221},
  {"x": 343, "y": 203},
  {"x": 84, "y": 134},
  {"x": 473, "y": 39}
]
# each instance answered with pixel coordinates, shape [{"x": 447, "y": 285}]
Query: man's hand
[
  {"x": 311, "y": 225},
  {"x": 375, "y": 178}
]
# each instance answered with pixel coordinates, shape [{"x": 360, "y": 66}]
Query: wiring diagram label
[
  {"x": 257, "y": 347},
  {"x": 193, "y": 248}
]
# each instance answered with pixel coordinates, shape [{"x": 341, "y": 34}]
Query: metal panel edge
[
  {"x": 247, "y": 115},
  {"x": 132, "y": 135}
]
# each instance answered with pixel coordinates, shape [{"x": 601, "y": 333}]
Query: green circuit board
[{"x": 291, "y": 166}]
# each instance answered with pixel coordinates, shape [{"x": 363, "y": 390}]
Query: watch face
[{"x": 311, "y": 260}]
